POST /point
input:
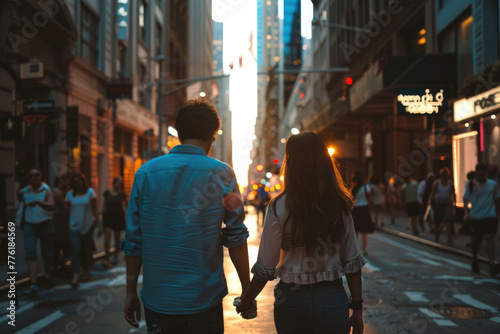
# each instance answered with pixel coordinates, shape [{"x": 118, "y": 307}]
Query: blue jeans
[
  {"x": 32, "y": 232},
  {"x": 208, "y": 322},
  {"x": 311, "y": 308},
  {"x": 81, "y": 251}
]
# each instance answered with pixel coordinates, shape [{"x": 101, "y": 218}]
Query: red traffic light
[
  {"x": 276, "y": 161},
  {"x": 348, "y": 81}
]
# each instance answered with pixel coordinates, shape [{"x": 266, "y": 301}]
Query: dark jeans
[
  {"x": 311, "y": 308},
  {"x": 81, "y": 250},
  {"x": 32, "y": 232},
  {"x": 207, "y": 322}
]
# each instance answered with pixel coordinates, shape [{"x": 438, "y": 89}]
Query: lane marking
[
  {"x": 18, "y": 311},
  {"x": 437, "y": 318},
  {"x": 416, "y": 296},
  {"x": 42, "y": 323},
  {"x": 422, "y": 253},
  {"x": 468, "y": 299},
  {"x": 424, "y": 260}
]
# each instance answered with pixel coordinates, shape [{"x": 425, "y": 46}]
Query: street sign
[{"x": 36, "y": 106}]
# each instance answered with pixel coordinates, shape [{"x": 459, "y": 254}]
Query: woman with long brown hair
[{"x": 309, "y": 242}]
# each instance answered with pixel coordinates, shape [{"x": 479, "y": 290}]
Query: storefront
[{"x": 477, "y": 135}]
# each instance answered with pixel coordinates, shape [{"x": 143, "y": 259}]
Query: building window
[
  {"x": 89, "y": 30},
  {"x": 143, "y": 21},
  {"x": 158, "y": 39}
]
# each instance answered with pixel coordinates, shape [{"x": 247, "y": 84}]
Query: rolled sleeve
[
  {"x": 269, "y": 249},
  {"x": 352, "y": 259},
  {"x": 235, "y": 233},
  {"x": 132, "y": 244}
]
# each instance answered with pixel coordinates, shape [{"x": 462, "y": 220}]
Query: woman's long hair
[
  {"x": 72, "y": 181},
  {"x": 316, "y": 197}
]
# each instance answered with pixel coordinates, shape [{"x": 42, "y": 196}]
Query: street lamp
[{"x": 295, "y": 131}]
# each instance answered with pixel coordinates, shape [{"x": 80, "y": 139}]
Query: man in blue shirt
[
  {"x": 484, "y": 196},
  {"x": 174, "y": 231}
]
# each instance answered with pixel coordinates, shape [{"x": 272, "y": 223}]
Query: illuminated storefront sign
[
  {"x": 425, "y": 104},
  {"x": 476, "y": 105},
  {"x": 122, "y": 19}
]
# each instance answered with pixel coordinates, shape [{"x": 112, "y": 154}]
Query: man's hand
[
  {"x": 356, "y": 322},
  {"x": 248, "y": 310},
  {"x": 132, "y": 309}
]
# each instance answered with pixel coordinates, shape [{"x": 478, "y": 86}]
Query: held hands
[{"x": 246, "y": 311}]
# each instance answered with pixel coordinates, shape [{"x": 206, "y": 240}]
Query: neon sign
[{"x": 425, "y": 104}]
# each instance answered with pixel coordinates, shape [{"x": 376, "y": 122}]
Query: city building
[
  {"x": 276, "y": 78},
  {"x": 94, "y": 68},
  {"x": 373, "y": 52}
]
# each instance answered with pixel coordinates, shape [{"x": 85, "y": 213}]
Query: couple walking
[{"x": 177, "y": 207}]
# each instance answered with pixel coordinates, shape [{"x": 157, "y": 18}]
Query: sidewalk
[{"x": 402, "y": 228}]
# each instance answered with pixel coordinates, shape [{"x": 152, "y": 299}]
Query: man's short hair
[{"x": 197, "y": 119}]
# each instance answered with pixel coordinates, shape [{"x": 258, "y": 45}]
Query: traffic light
[
  {"x": 345, "y": 89},
  {"x": 348, "y": 81},
  {"x": 276, "y": 161}
]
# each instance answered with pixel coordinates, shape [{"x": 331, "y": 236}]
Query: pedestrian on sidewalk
[
  {"x": 363, "y": 223},
  {"x": 34, "y": 218},
  {"x": 424, "y": 192},
  {"x": 62, "y": 247},
  {"x": 309, "y": 225},
  {"x": 443, "y": 200},
  {"x": 378, "y": 191},
  {"x": 83, "y": 219},
  {"x": 393, "y": 198},
  {"x": 262, "y": 202},
  {"x": 410, "y": 198},
  {"x": 113, "y": 219},
  {"x": 174, "y": 231},
  {"x": 484, "y": 196}
]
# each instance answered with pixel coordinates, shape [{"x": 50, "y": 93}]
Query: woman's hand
[{"x": 356, "y": 322}]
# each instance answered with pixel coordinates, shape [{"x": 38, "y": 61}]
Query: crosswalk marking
[
  {"x": 42, "y": 323},
  {"x": 495, "y": 319},
  {"x": 416, "y": 296},
  {"x": 475, "y": 303},
  {"x": 437, "y": 318}
]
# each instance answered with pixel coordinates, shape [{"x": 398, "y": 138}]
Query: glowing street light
[
  {"x": 295, "y": 131},
  {"x": 331, "y": 151},
  {"x": 203, "y": 94},
  {"x": 269, "y": 174}
]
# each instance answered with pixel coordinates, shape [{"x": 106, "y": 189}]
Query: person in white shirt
[
  {"x": 34, "y": 217},
  {"x": 484, "y": 196},
  {"x": 83, "y": 217}
]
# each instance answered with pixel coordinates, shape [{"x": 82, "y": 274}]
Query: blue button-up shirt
[{"x": 174, "y": 222}]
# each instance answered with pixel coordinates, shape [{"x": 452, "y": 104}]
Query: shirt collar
[{"x": 188, "y": 149}]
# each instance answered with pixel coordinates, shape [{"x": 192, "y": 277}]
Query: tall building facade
[
  {"x": 266, "y": 146},
  {"x": 79, "y": 53}
]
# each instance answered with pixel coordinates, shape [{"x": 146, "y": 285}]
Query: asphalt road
[{"x": 408, "y": 288}]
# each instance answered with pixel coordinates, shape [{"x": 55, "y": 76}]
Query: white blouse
[
  {"x": 81, "y": 218},
  {"x": 328, "y": 262}
]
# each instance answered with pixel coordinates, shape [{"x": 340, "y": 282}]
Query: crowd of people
[{"x": 63, "y": 220}]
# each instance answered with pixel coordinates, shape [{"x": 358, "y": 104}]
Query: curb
[{"x": 432, "y": 244}]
